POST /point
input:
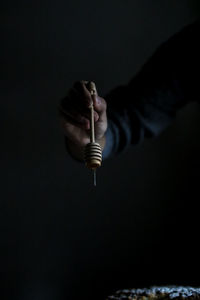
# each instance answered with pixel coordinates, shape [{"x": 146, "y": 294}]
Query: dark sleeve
[{"x": 149, "y": 102}]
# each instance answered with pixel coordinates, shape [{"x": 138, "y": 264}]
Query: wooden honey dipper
[{"x": 92, "y": 151}]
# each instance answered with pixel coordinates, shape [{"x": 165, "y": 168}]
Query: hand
[{"x": 75, "y": 117}]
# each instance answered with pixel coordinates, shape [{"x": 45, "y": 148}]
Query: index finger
[{"x": 84, "y": 93}]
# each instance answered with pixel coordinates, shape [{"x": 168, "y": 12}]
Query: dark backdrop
[{"x": 60, "y": 237}]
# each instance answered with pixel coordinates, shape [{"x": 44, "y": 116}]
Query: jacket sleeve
[{"x": 149, "y": 102}]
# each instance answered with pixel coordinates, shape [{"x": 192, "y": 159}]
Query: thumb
[
  {"x": 99, "y": 105},
  {"x": 98, "y": 102}
]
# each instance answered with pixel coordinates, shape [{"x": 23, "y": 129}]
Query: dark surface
[{"x": 60, "y": 237}]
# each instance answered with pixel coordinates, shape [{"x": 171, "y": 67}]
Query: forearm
[{"x": 149, "y": 103}]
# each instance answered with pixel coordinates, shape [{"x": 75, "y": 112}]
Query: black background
[{"x": 60, "y": 237}]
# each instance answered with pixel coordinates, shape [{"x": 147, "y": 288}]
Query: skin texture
[{"x": 75, "y": 118}]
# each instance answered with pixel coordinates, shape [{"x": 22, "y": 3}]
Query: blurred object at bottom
[{"x": 157, "y": 293}]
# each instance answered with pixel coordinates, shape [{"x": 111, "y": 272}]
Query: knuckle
[{"x": 83, "y": 82}]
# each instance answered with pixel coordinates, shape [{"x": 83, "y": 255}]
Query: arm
[
  {"x": 149, "y": 102},
  {"x": 142, "y": 108}
]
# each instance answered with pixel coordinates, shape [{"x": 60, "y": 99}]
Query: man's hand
[{"x": 75, "y": 118}]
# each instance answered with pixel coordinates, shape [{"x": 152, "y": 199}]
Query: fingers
[
  {"x": 73, "y": 117},
  {"x": 74, "y": 108},
  {"x": 78, "y": 98},
  {"x": 76, "y": 104},
  {"x": 78, "y": 115},
  {"x": 73, "y": 133},
  {"x": 83, "y": 92},
  {"x": 99, "y": 103}
]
